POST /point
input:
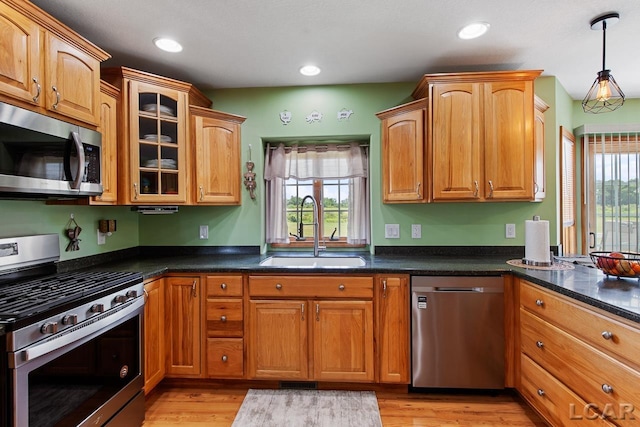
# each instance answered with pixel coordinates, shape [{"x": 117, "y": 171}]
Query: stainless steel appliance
[
  {"x": 71, "y": 342},
  {"x": 44, "y": 157},
  {"x": 457, "y": 329}
]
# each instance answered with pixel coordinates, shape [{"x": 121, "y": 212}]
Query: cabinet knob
[
  {"x": 539, "y": 344},
  {"x": 341, "y": 287},
  {"x": 223, "y": 319},
  {"x": 539, "y": 302},
  {"x": 223, "y": 286},
  {"x": 418, "y": 191},
  {"x": 225, "y": 358},
  {"x": 278, "y": 286},
  {"x": 540, "y": 392},
  {"x": 490, "y": 189},
  {"x": 201, "y": 193},
  {"x": 135, "y": 191},
  {"x": 607, "y": 388},
  {"x": 476, "y": 188},
  {"x": 607, "y": 335}
]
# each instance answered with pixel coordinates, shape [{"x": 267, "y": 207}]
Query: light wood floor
[{"x": 199, "y": 406}]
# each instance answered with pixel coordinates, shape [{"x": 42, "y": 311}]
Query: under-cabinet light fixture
[
  {"x": 168, "y": 45},
  {"x": 473, "y": 30},
  {"x": 604, "y": 95}
]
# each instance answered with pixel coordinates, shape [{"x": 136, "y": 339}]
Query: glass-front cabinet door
[{"x": 157, "y": 144}]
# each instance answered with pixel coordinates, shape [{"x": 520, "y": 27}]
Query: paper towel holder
[{"x": 538, "y": 263}]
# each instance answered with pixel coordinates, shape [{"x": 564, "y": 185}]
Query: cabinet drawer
[
  {"x": 224, "y": 358},
  {"x": 604, "y": 333},
  {"x": 311, "y": 286},
  {"x": 596, "y": 377},
  {"x": 553, "y": 400},
  {"x": 224, "y": 286},
  {"x": 224, "y": 317}
]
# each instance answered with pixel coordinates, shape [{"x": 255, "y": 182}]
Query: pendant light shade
[{"x": 604, "y": 95}]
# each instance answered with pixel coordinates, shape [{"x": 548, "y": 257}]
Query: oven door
[{"x": 87, "y": 381}]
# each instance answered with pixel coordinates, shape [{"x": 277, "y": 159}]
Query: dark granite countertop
[{"x": 589, "y": 285}]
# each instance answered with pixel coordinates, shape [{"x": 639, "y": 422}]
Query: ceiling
[{"x": 258, "y": 43}]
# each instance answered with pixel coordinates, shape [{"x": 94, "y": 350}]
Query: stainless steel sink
[{"x": 313, "y": 262}]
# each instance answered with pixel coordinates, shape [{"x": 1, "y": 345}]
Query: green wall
[
  {"x": 35, "y": 217},
  {"x": 442, "y": 223}
]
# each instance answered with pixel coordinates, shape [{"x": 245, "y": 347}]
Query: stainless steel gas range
[{"x": 71, "y": 342}]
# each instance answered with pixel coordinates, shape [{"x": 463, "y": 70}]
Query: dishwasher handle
[{"x": 481, "y": 289}]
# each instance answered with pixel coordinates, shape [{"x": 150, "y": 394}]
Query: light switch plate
[
  {"x": 204, "y": 232},
  {"x": 392, "y": 231},
  {"x": 416, "y": 231},
  {"x": 510, "y": 231},
  {"x": 102, "y": 238}
]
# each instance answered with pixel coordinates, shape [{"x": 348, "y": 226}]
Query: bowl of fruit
[{"x": 621, "y": 264}]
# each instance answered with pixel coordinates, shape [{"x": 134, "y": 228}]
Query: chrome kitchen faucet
[{"x": 316, "y": 238}]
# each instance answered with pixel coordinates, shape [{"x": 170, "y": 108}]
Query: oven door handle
[{"x": 78, "y": 332}]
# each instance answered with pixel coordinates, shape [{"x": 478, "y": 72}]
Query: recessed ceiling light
[
  {"x": 168, "y": 45},
  {"x": 473, "y": 30},
  {"x": 310, "y": 70}
]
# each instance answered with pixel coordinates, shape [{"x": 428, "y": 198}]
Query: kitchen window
[
  {"x": 612, "y": 175},
  {"x": 335, "y": 175}
]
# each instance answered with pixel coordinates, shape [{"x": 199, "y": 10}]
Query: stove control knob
[
  {"x": 97, "y": 308},
  {"x": 132, "y": 294},
  {"x": 49, "y": 328},
  {"x": 121, "y": 298},
  {"x": 70, "y": 319}
]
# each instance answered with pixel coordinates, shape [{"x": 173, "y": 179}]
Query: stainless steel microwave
[{"x": 41, "y": 156}]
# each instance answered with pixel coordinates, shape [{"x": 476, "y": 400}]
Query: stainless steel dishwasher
[{"x": 457, "y": 331}]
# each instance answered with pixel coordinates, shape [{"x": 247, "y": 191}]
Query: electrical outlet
[
  {"x": 204, "y": 232},
  {"x": 510, "y": 231},
  {"x": 392, "y": 231},
  {"x": 416, "y": 231},
  {"x": 102, "y": 238}
]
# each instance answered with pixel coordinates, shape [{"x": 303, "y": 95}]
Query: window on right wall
[{"x": 611, "y": 180}]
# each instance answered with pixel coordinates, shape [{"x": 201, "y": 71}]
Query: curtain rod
[{"x": 321, "y": 146}]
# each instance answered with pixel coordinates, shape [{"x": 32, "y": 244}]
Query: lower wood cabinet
[
  {"x": 224, "y": 324},
  {"x": 183, "y": 322},
  {"x": 393, "y": 329},
  {"x": 577, "y": 360},
  {"x": 307, "y": 338},
  {"x": 154, "y": 332}
]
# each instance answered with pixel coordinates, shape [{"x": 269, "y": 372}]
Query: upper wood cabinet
[
  {"x": 481, "y": 129},
  {"x": 48, "y": 68},
  {"x": 108, "y": 127},
  {"x": 154, "y": 156},
  {"x": 404, "y": 154},
  {"x": 216, "y": 157},
  {"x": 540, "y": 181}
]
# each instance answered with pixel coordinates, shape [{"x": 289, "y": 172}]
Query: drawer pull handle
[
  {"x": 607, "y": 335},
  {"x": 278, "y": 286},
  {"x": 223, "y": 286},
  {"x": 225, "y": 358},
  {"x": 607, "y": 388},
  {"x": 223, "y": 319},
  {"x": 341, "y": 287},
  {"x": 490, "y": 189},
  {"x": 539, "y": 344},
  {"x": 540, "y": 392},
  {"x": 539, "y": 302}
]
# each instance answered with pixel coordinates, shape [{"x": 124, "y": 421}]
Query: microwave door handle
[{"x": 80, "y": 150}]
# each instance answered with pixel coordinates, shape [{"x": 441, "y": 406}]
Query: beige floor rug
[{"x": 306, "y": 408}]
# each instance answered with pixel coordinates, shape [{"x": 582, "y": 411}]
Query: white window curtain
[{"x": 317, "y": 161}]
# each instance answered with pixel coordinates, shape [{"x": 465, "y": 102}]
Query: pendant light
[{"x": 605, "y": 95}]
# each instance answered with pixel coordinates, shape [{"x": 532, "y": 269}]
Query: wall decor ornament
[
  {"x": 344, "y": 114},
  {"x": 72, "y": 231},
  {"x": 285, "y": 117},
  {"x": 250, "y": 177},
  {"x": 314, "y": 116}
]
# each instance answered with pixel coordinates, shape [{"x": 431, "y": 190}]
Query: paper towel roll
[{"x": 536, "y": 241}]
